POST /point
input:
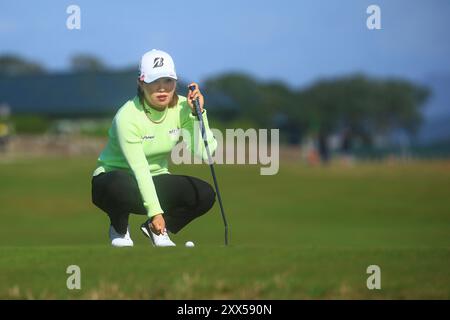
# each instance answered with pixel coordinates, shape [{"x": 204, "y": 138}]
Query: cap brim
[{"x": 148, "y": 79}]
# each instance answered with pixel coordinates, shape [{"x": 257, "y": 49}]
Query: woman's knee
[{"x": 207, "y": 197}]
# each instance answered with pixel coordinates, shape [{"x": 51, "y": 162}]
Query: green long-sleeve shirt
[{"x": 142, "y": 147}]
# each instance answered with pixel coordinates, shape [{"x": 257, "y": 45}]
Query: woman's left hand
[{"x": 192, "y": 95}]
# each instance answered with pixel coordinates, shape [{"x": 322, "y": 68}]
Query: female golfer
[{"x": 132, "y": 173}]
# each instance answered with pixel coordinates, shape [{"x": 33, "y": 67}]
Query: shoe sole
[{"x": 122, "y": 246}]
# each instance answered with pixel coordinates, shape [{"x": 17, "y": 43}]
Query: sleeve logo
[{"x": 148, "y": 137}]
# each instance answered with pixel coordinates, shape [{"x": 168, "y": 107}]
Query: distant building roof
[{"x": 68, "y": 94}]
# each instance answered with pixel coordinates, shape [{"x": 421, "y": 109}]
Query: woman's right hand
[{"x": 158, "y": 225}]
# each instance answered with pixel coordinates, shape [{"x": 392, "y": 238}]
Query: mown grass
[{"x": 307, "y": 232}]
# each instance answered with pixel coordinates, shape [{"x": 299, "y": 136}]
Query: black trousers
[{"x": 183, "y": 198}]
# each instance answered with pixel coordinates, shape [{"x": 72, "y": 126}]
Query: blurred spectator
[
  {"x": 346, "y": 146},
  {"x": 324, "y": 150},
  {"x": 5, "y": 129}
]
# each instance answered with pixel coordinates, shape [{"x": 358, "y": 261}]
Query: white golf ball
[{"x": 189, "y": 244}]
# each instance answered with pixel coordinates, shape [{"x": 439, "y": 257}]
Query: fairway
[{"x": 305, "y": 233}]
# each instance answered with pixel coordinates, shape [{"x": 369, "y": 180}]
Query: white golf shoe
[
  {"x": 120, "y": 240},
  {"x": 161, "y": 240}
]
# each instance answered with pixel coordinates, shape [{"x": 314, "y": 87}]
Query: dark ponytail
[{"x": 140, "y": 94}]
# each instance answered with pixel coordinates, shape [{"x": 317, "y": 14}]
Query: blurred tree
[
  {"x": 86, "y": 63},
  {"x": 275, "y": 97},
  {"x": 238, "y": 95},
  {"x": 363, "y": 106},
  {"x": 12, "y": 65},
  {"x": 233, "y": 95}
]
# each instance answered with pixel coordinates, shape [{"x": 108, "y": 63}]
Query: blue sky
[{"x": 293, "y": 41}]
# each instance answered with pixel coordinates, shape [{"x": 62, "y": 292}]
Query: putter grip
[{"x": 196, "y": 102}]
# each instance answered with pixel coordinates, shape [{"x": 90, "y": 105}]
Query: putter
[{"x": 202, "y": 128}]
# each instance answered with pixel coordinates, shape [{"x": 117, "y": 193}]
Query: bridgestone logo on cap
[{"x": 158, "y": 62}]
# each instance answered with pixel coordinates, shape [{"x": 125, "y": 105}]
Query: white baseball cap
[{"x": 156, "y": 64}]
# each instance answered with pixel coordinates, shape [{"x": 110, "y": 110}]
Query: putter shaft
[{"x": 210, "y": 162}]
